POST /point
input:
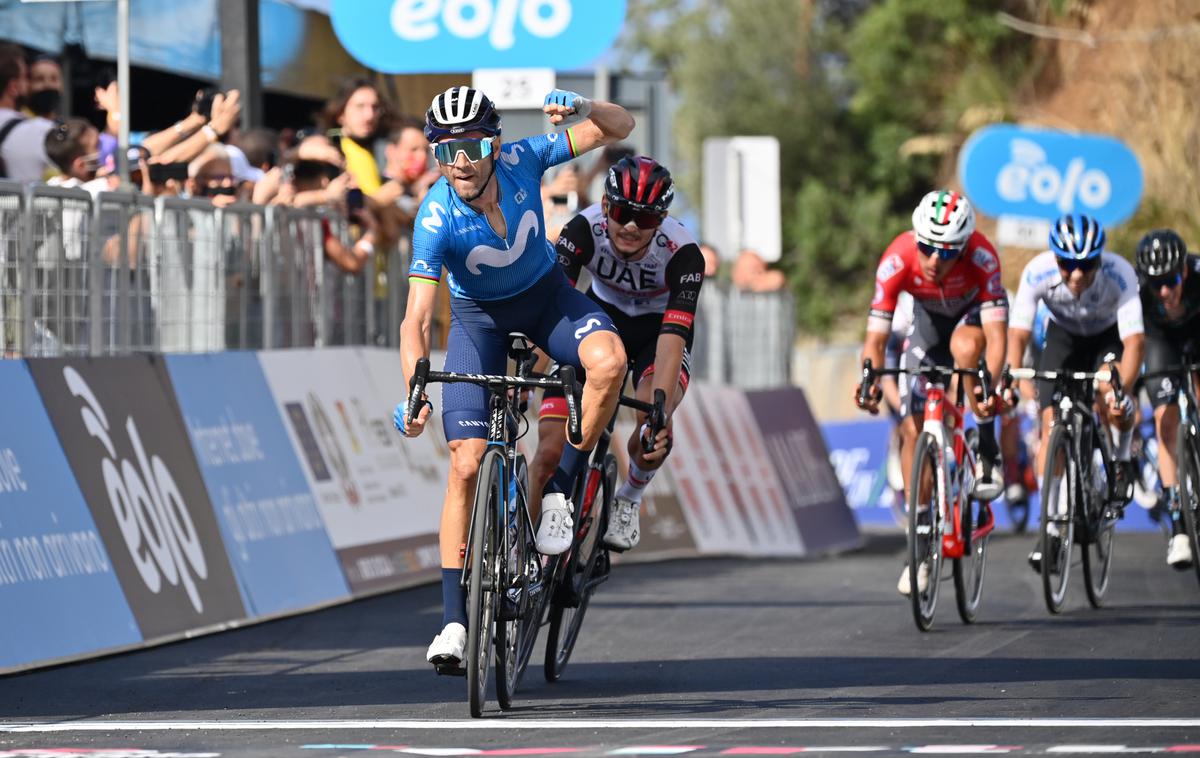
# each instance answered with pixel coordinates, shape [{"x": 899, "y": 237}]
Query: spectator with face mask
[
  {"x": 22, "y": 140},
  {"x": 408, "y": 169},
  {"x": 74, "y": 147},
  {"x": 45, "y": 88}
]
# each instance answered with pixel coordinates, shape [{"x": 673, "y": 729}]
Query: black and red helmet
[{"x": 640, "y": 182}]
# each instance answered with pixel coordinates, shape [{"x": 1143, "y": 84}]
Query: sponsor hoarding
[
  {"x": 273, "y": 531},
  {"x": 795, "y": 445},
  {"x": 126, "y": 444},
  {"x": 58, "y": 587},
  {"x": 377, "y": 522}
]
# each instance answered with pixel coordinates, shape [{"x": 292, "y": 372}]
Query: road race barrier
[{"x": 121, "y": 272}]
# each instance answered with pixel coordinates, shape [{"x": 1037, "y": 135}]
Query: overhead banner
[
  {"x": 58, "y": 588},
  {"x": 795, "y": 445},
  {"x": 447, "y": 36},
  {"x": 273, "y": 531},
  {"x": 355, "y": 468},
  {"x": 130, "y": 454}
]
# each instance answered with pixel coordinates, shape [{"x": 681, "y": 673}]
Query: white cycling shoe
[
  {"x": 555, "y": 528},
  {"x": 987, "y": 490},
  {"x": 623, "y": 530},
  {"x": 1179, "y": 552},
  {"x": 447, "y": 650},
  {"x": 905, "y": 584}
]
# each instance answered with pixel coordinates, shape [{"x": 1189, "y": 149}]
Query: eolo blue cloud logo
[
  {"x": 1043, "y": 173},
  {"x": 446, "y": 36}
]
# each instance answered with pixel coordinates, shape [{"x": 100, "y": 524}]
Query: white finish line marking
[{"x": 534, "y": 724}]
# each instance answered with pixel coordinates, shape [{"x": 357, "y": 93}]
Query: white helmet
[{"x": 944, "y": 219}]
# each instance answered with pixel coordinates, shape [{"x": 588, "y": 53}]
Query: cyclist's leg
[
  {"x": 552, "y": 435},
  {"x": 967, "y": 345},
  {"x": 574, "y": 329},
  {"x": 1161, "y": 352},
  {"x": 474, "y": 347},
  {"x": 1109, "y": 349}
]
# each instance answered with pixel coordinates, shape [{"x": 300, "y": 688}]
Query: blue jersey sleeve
[
  {"x": 540, "y": 152},
  {"x": 429, "y": 233}
]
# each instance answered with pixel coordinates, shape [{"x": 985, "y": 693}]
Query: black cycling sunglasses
[
  {"x": 1072, "y": 264},
  {"x": 1170, "y": 281},
  {"x": 945, "y": 253},
  {"x": 623, "y": 214}
]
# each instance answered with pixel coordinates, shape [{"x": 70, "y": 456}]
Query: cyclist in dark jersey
[
  {"x": 1169, "y": 285},
  {"x": 646, "y": 273}
]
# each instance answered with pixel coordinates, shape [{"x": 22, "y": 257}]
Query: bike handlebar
[
  {"x": 565, "y": 381},
  {"x": 656, "y": 419}
]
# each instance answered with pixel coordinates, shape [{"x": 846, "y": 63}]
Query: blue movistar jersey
[{"x": 481, "y": 264}]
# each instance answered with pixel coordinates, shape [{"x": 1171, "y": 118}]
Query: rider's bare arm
[
  {"x": 607, "y": 123},
  {"x": 416, "y": 327}
]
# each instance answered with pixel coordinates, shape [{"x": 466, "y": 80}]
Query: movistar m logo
[
  {"x": 433, "y": 221},
  {"x": 484, "y": 255},
  {"x": 591, "y": 324}
]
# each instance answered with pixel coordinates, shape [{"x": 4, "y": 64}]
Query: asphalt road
[{"x": 688, "y": 657}]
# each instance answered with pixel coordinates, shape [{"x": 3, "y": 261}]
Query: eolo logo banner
[
  {"x": 1008, "y": 170},
  {"x": 447, "y": 36}
]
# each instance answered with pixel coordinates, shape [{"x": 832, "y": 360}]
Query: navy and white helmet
[
  {"x": 459, "y": 110},
  {"x": 1161, "y": 252},
  {"x": 1077, "y": 237}
]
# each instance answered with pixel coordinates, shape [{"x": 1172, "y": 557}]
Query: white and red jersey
[
  {"x": 973, "y": 280},
  {"x": 665, "y": 281}
]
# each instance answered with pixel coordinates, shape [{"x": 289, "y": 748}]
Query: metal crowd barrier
[
  {"x": 120, "y": 273},
  {"x": 744, "y": 339}
]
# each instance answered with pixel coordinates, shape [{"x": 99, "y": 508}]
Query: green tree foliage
[{"x": 846, "y": 87}]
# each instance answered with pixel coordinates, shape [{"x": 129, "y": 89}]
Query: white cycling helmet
[{"x": 944, "y": 219}]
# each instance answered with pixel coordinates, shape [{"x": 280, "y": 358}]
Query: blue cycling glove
[
  {"x": 582, "y": 106},
  {"x": 400, "y": 416}
]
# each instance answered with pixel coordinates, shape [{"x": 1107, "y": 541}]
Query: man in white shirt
[{"x": 22, "y": 139}]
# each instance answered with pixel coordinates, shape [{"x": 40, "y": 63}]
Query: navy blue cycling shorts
[{"x": 555, "y": 315}]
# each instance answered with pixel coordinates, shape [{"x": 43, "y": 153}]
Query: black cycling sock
[
  {"x": 987, "y": 440},
  {"x": 570, "y": 464},
  {"x": 454, "y": 598}
]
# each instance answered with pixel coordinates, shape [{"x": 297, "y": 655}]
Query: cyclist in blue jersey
[{"x": 483, "y": 222}]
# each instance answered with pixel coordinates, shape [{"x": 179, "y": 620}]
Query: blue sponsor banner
[
  {"x": 272, "y": 529},
  {"x": 447, "y": 36},
  {"x": 1009, "y": 170},
  {"x": 58, "y": 589},
  {"x": 858, "y": 451}
]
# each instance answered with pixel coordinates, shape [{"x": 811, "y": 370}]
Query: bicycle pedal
[{"x": 447, "y": 668}]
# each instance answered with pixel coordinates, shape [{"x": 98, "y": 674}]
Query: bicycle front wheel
[
  {"x": 924, "y": 531},
  {"x": 1057, "y": 532},
  {"x": 481, "y": 596},
  {"x": 587, "y": 559},
  {"x": 1101, "y": 528},
  {"x": 968, "y": 570},
  {"x": 1189, "y": 489}
]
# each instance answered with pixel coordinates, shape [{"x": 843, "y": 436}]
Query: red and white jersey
[
  {"x": 973, "y": 280},
  {"x": 665, "y": 281}
]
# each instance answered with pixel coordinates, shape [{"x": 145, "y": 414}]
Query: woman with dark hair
[{"x": 355, "y": 116}]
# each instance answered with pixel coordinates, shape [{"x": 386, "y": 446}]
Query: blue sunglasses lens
[
  {"x": 945, "y": 253},
  {"x": 475, "y": 150},
  {"x": 1171, "y": 281}
]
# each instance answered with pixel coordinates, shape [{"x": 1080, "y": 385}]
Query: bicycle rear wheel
[
  {"x": 924, "y": 531},
  {"x": 968, "y": 570},
  {"x": 587, "y": 560},
  {"x": 535, "y": 591},
  {"x": 489, "y": 493},
  {"x": 1189, "y": 489},
  {"x": 1057, "y": 531}
]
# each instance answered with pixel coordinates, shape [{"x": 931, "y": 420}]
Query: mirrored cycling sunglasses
[
  {"x": 1071, "y": 264},
  {"x": 475, "y": 149},
  {"x": 1170, "y": 281},
  {"x": 945, "y": 253},
  {"x": 623, "y": 214}
]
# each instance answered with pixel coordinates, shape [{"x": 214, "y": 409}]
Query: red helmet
[{"x": 640, "y": 182}]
